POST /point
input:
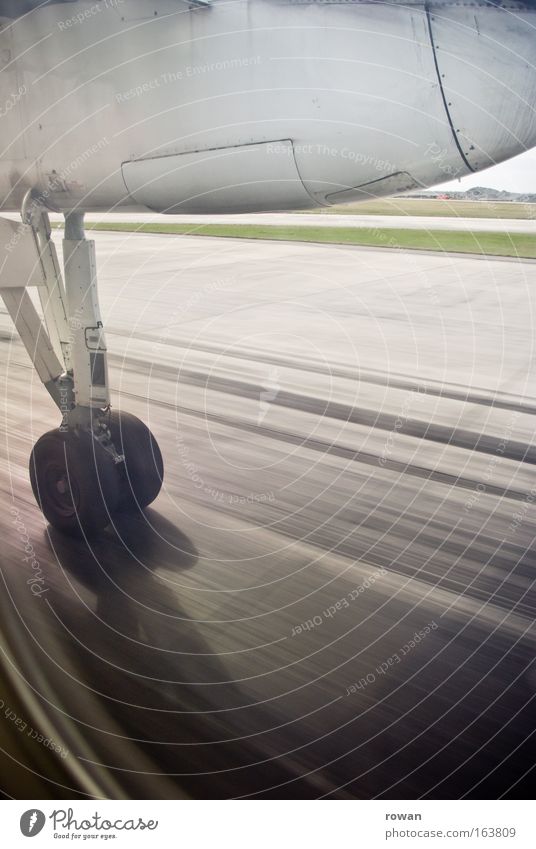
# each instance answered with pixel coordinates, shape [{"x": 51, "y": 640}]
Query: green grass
[
  {"x": 492, "y": 244},
  {"x": 434, "y": 208}
]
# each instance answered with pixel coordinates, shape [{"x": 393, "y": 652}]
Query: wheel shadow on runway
[
  {"x": 132, "y": 627},
  {"x": 146, "y": 539},
  {"x": 165, "y": 683},
  {"x": 123, "y": 569},
  {"x": 135, "y": 645}
]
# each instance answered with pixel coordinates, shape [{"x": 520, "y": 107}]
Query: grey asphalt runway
[
  {"x": 293, "y": 219},
  {"x": 333, "y": 595}
]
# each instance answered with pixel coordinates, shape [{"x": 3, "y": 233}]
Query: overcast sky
[{"x": 516, "y": 175}]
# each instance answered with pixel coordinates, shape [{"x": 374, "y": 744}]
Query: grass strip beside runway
[
  {"x": 433, "y": 207},
  {"x": 521, "y": 245}
]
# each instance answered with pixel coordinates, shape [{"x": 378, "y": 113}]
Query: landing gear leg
[{"x": 98, "y": 460}]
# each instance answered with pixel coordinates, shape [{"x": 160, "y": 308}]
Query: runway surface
[
  {"x": 283, "y": 219},
  {"x": 295, "y": 219},
  {"x": 333, "y": 595}
]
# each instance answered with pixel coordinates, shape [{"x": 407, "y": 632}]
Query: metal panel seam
[{"x": 445, "y": 104}]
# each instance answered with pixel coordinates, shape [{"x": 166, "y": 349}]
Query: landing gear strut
[{"x": 99, "y": 460}]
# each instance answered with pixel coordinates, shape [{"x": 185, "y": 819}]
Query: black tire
[
  {"x": 75, "y": 481},
  {"x": 143, "y": 470}
]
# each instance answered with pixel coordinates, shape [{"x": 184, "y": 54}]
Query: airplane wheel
[
  {"x": 143, "y": 469},
  {"x": 74, "y": 481}
]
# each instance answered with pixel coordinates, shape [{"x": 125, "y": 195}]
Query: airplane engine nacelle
[{"x": 261, "y": 104}]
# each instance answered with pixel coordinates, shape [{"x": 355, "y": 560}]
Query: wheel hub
[{"x": 61, "y": 491}]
